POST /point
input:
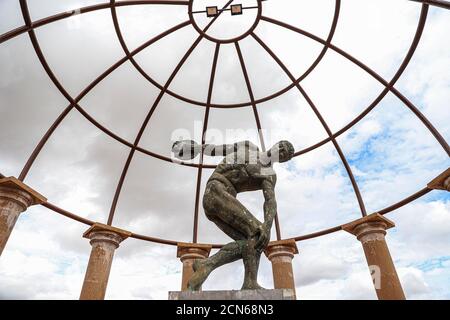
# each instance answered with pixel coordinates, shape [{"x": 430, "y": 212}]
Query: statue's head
[{"x": 282, "y": 151}]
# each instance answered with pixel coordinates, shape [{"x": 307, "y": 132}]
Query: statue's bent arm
[
  {"x": 270, "y": 210},
  {"x": 270, "y": 203}
]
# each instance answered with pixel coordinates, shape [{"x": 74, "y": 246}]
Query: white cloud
[
  {"x": 391, "y": 153},
  {"x": 414, "y": 283}
]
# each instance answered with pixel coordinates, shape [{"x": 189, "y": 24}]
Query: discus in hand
[{"x": 186, "y": 149}]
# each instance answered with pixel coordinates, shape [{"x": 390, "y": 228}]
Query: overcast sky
[{"x": 390, "y": 151}]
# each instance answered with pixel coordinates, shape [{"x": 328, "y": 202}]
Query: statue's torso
[{"x": 244, "y": 170}]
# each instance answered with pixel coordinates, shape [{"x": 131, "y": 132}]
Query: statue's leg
[
  {"x": 203, "y": 267},
  {"x": 227, "y": 254},
  {"x": 251, "y": 258},
  {"x": 241, "y": 249},
  {"x": 228, "y": 230},
  {"x": 223, "y": 208},
  {"x": 228, "y": 206},
  {"x": 237, "y": 222}
]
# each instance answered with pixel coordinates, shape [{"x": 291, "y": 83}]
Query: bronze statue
[{"x": 244, "y": 168}]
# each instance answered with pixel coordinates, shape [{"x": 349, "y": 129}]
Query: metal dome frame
[{"x": 74, "y": 102}]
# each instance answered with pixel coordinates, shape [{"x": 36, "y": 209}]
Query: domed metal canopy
[{"x": 212, "y": 14}]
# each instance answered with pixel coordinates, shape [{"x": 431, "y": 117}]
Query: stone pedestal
[
  {"x": 188, "y": 252},
  {"x": 277, "y": 294},
  {"x": 280, "y": 254},
  {"x": 104, "y": 241},
  {"x": 441, "y": 182},
  {"x": 371, "y": 231},
  {"x": 15, "y": 198}
]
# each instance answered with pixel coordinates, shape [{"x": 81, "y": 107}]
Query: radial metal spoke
[
  {"x": 204, "y": 130},
  {"x": 30, "y": 26},
  {"x": 258, "y": 122},
  {"x": 74, "y": 102},
  {"x": 401, "y": 69},
  {"x": 305, "y": 237},
  {"x": 149, "y": 115},
  {"x": 143, "y": 127},
  {"x": 375, "y": 75},
  {"x": 10, "y": 34}
]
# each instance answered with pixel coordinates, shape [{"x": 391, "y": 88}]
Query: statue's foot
[
  {"x": 201, "y": 272},
  {"x": 252, "y": 286}
]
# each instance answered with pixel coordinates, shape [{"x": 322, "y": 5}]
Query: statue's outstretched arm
[
  {"x": 225, "y": 149},
  {"x": 189, "y": 149}
]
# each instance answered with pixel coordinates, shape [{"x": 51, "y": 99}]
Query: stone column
[
  {"x": 280, "y": 254},
  {"x": 15, "y": 198},
  {"x": 188, "y": 252},
  {"x": 104, "y": 240},
  {"x": 371, "y": 231}
]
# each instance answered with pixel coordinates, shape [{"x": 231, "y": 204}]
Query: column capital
[
  {"x": 281, "y": 248},
  {"x": 99, "y": 232},
  {"x": 368, "y": 227},
  {"x": 193, "y": 251},
  {"x": 441, "y": 182},
  {"x": 15, "y": 190}
]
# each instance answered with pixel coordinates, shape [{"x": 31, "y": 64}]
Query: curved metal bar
[
  {"x": 437, "y": 3},
  {"x": 322, "y": 121},
  {"x": 142, "y": 129},
  {"x": 337, "y": 10},
  {"x": 130, "y": 57},
  {"x": 13, "y": 33},
  {"x": 63, "y": 15},
  {"x": 205, "y": 128},
  {"x": 309, "y": 236},
  {"x": 401, "y": 69},
  {"x": 375, "y": 75},
  {"x": 67, "y": 214},
  {"x": 384, "y": 211},
  {"x": 149, "y": 115},
  {"x": 137, "y": 66},
  {"x": 237, "y": 105},
  {"x": 258, "y": 122},
  {"x": 153, "y": 239},
  {"x": 176, "y": 161},
  {"x": 405, "y": 201},
  {"x": 74, "y": 102},
  {"x": 318, "y": 234},
  {"x": 418, "y": 34}
]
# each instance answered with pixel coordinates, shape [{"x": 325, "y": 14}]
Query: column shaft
[{"x": 104, "y": 240}]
